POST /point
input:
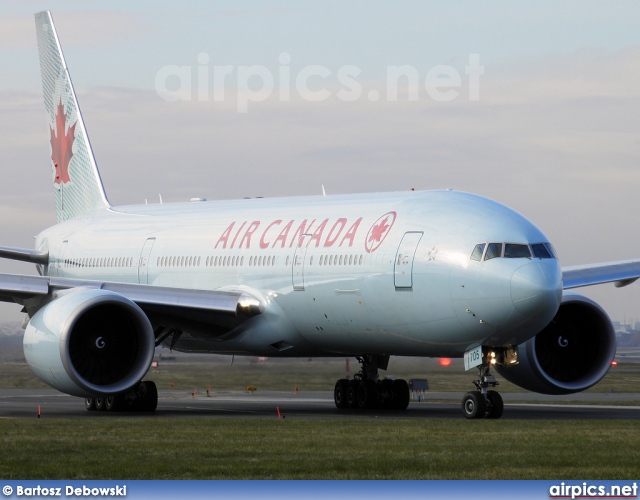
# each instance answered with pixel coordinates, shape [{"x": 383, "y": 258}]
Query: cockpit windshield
[
  {"x": 494, "y": 251},
  {"x": 514, "y": 251},
  {"x": 487, "y": 251}
]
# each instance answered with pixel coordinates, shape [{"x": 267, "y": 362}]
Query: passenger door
[{"x": 403, "y": 268}]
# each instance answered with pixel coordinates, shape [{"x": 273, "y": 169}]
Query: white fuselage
[{"x": 348, "y": 274}]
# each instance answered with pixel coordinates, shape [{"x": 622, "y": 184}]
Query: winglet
[{"x": 76, "y": 179}]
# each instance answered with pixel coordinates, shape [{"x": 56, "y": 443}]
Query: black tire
[
  {"x": 367, "y": 395},
  {"x": 352, "y": 393},
  {"x": 148, "y": 396},
  {"x": 385, "y": 394},
  {"x": 340, "y": 393},
  {"x": 100, "y": 403},
  {"x": 474, "y": 405},
  {"x": 495, "y": 406},
  {"x": 401, "y": 396},
  {"x": 114, "y": 403},
  {"x": 90, "y": 404}
]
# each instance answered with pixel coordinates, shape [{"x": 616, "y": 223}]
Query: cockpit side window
[
  {"x": 514, "y": 251},
  {"x": 543, "y": 251},
  {"x": 478, "y": 251},
  {"x": 494, "y": 250}
]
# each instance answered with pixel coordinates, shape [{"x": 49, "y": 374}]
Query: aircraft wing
[
  {"x": 220, "y": 310},
  {"x": 620, "y": 273}
]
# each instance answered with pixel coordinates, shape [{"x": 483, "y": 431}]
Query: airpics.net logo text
[
  {"x": 313, "y": 83},
  {"x": 588, "y": 490}
]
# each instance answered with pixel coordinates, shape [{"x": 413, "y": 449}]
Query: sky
[{"x": 535, "y": 105}]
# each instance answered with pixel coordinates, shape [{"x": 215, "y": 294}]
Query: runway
[{"x": 18, "y": 403}]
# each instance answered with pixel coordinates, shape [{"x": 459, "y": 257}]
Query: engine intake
[
  {"x": 89, "y": 342},
  {"x": 571, "y": 354}
]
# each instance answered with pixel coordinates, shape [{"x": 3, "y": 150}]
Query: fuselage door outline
[
  {"x": 403, "y": 266},
  {"x": 143, "y": 263},
  {"x": 298, "y": 263}
]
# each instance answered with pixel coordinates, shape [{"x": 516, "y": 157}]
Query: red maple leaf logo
[
  {"x": 61, "y": 144},
  {"x": 379, "y": 231}
]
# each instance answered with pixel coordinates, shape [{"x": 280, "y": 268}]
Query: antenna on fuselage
[
  {"x": 324, "y": 193},
  {"x": 160, "y": 196}
]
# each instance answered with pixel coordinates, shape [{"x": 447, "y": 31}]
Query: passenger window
[
  {"x": 478, "y": 251},
  {"x": 494, "y": 250},
  {"x": 513, "y": 251}
]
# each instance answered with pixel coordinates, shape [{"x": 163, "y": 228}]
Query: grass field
[{"x": 148, "y": 448}]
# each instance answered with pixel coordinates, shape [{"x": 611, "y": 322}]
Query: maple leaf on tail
[{"x": 61, "y": 144}]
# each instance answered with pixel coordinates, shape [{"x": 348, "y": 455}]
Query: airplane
[{"x": 417, "y": 273}]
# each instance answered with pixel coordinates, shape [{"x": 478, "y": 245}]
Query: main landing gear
[
  {"x": 367, "y": 392},
  {"x": 143, "y": 398},
  {"x": 483, "y": 403}
]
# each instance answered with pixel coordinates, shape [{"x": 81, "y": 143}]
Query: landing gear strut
[
  {"x": 483, "y": 403},
  {"x": 143, "y": 397},
  {"x": 367, "y": 392}
]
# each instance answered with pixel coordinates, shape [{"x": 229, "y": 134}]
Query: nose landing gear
[{"x": 483, "y": 403}]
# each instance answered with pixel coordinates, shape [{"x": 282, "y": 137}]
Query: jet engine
[
  {"x": 89, "y": 342},
  {"x": 571, "y": 354}
]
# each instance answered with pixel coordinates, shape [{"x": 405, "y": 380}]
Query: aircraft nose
[{"x": 537, "y": 287}]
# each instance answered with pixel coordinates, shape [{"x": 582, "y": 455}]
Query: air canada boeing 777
[{"x": 418, "y": 273}]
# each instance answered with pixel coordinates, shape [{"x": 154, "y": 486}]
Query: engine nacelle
[
  {"x": 89, "y": 342},
  {"x": 571, "y": 354}
]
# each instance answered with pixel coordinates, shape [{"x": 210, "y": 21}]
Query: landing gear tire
[
  {"x": 352, "y": 393},
  {"x": 495, "y": 405},
  {"x": 148, "y": 396},
  {"x": 90, "y": 404},
  {"x": 401, "y": 396},
  {"x": 100, "y": 403},
  {"x": 367, "y": 395},
  {"x": 340, "y": 393},
  {"x": 385, "y": 394},
  {"x": 474, "y": 405},
  {"x": 114, "y": 403}
]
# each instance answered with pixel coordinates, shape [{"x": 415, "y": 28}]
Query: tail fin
[{"x": 76, "y": 180}]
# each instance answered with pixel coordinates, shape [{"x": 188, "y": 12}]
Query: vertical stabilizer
[{"x": 77, "y": 185}]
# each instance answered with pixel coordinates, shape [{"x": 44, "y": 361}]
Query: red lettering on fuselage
[
  {"x": 317, "y": 234},
  {"x": 225, "y": 236},
  {"x": 233, "y": 243},
  {"x": 265, "y": 244},
  {"x": 244, "y": 231},
  {"x": 282, "y": 237},
  {"x": 330, "y": 241},
  {"x": 247, "y": 235},
  {"x": 300, "y": 232},
  {"x": 351, "y": 233}
]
